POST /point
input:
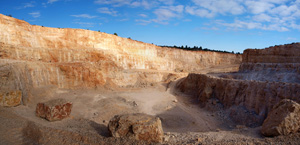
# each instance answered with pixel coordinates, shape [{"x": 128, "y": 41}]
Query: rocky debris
[
  {"x": 284, "y": 119},
  {"x": 54, "y": 110},
  {"x": 175, "y": 101},
  {"x": 137, "y": 126},
  {"x": 10, "y": 98}
]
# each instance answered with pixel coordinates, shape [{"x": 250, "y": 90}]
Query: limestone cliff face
[
  {"x": 278, "y": 63},
  {"x": 277, "y": 54},
  {"x": 70, "y": 58}
]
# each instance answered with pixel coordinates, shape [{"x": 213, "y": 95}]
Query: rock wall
[
  {"x": 70, "y": 58},
  {"x": 277, "y": 54},
  {"x": 278, "y": 63},
  {"x": 255, "y": 96},
  {"x": 264, "y": 78}
]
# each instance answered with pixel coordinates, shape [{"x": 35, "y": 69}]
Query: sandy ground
[{"x": 183, "y": 120}]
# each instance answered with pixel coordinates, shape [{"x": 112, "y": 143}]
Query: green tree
[{"x": 116, "y": 34}]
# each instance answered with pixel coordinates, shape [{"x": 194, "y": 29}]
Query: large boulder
[
  {"x": 284, "y": 119},
  {"x": 10, "y": 98},
  {"x": 54, "y": 110},
  {"x": 137, "y": 126}
]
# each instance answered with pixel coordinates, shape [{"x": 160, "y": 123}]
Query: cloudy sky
[{"x": 231, "y": 25}]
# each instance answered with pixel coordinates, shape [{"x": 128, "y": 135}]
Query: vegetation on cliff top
[{"x": 196, "y": 48}]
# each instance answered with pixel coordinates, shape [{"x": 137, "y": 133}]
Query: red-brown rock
[
  {"x": 54, "y": 110},
  {"x": 137, "y": 126}
]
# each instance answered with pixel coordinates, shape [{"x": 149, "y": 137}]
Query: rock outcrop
[
  {"x": 76, "y": 58},
  {"x": 10, "y": 98},
  {"x": 279, "y": 63},
  {"x": 265, "y": 77},
  {"x": 137, "y": 126},
  {"x": 277, "y": 54},
  {"x": 284, "y": 119},
  {"x": 255, "y": 96},
  {"x": 54, "y": 110}
]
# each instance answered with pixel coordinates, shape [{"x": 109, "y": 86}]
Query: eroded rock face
[
  {"x": 255, "y": 96},
  {"x": 137, "y": 126},
  {"x": 77, "y": 58},
  {"x": 284, "y": 119},
  {"x": 54, "y": 110},
  {"x": 278, "y": 63},
  {"x": 277, "y": 54},
  {"x": 10, "y": 98}
]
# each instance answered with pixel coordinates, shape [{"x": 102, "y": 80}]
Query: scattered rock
[
  {"x": 284, "y": 119},
  {"x": 175, "y": 101},
  {"x": 137, "y": 126},
  {"x": 54, "y": 110},
  {"x": 10, "y": 98},
  {"x": 166, "y": 138},
  {"x": 134, "y": 104}
]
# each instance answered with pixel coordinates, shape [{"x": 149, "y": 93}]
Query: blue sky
[{"x": 232, "y": 25}]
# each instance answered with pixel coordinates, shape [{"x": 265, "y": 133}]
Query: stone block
[
  {"x": 54, "y": 110},
  {"x": 137, "y": 126},
  {"x": 10, "y": 98},
  {"x": 284, "y": 119}
]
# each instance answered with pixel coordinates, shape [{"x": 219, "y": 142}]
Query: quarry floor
[{"x": 183, "y": 120}]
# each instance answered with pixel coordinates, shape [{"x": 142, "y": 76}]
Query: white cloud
[
  {"x": 237, "y": 24},
  {"x": 221, "y": 6},
  {"x": 167, "y": 2},
  {"x": 147, "y": 4},
  {"x": 85, "y": 24},
  {"x": 84, "y": 16},
  {"x": 295, "y": 26},
  {"x": 106, "y": 10},
  {"x": 240, "y": 25},
  {"x": 29, "y": 5},
  {"x": 122, "y": 20},
  {"x": 167, "y": 12},
  {"x": 273, "y": 15},
  {"x": 143, "y": 15},
  {"x": 275, "y": 27},
  {"x": 257, "y": 7},
  {"x": 143, "y": 22},
  {"x": 144, "y": 3},
  {"x": 115, "y": 3},
  {"x": 51, "y": 1},
  {"x": 199, "y": 12},
  {"x": 262, "y": 18},
  {"x": 35, "y": 14},
  {"x": 284, "y": 10}
]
